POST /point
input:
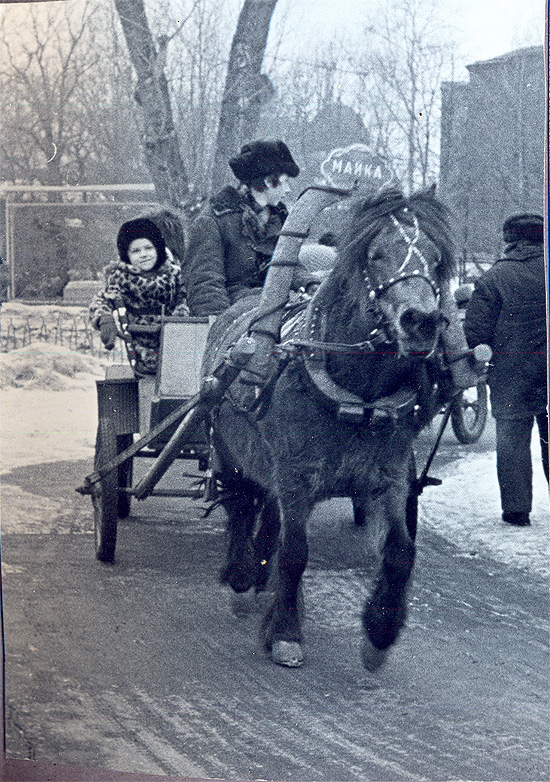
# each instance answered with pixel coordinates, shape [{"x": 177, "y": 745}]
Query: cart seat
[{"x": 182, "y": 344}]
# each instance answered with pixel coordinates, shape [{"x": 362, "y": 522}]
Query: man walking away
[{"x": 507, "y": 311}]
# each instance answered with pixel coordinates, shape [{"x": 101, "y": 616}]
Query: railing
[{"x": 73, "y": 331}]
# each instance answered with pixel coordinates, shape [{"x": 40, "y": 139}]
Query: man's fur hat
[{"x": 261, "y": 159}]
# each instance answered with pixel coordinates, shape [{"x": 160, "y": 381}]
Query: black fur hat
[
  {"x": 526, "y": 227},
  {"x": 260, "y": 159},
  {"x": 141, "y": 228}
]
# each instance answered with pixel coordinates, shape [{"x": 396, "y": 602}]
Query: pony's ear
[{"x": 431, "y": 190}]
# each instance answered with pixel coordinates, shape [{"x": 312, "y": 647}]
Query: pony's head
[{"x": 394, "y": 256}]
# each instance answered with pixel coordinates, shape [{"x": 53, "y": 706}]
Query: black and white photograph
[{"x": 274, "y": 440}]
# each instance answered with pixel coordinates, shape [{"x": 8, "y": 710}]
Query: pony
[{"x": 358, "y": 376}]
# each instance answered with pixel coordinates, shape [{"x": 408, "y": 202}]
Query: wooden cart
[{"x": 161, "y": 418}]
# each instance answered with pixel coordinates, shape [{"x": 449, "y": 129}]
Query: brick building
[{"x": 492, "y": 149}]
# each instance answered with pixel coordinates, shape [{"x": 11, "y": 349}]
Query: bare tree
[
  {"x": 66, "y": 117},
  {"x": 402, "y": 73},
  {"x": 196, "y": 71},
  {"x": 246, "y": 88},
  {"x": 44, "y": 60},
  {"x": 160, "y": 140}
]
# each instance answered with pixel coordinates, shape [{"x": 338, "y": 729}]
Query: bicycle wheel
[{"x": 469, "y": 413}]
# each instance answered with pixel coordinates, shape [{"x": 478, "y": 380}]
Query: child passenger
[{"x": 147, "y": 282}]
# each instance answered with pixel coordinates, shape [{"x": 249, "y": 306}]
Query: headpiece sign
[{"x": 356, "y": 165}]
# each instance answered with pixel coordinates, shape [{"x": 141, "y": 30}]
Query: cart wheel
[
  {"x": 125, "y": 476},
  {"x": 469, "y": 413},
  {"x": 105, "y": 493}
]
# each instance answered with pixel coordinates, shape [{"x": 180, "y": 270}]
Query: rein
[{"x": 377, "y": 337}]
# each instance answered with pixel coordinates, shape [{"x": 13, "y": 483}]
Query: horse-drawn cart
[
  {"x": 332, "y": 409},
  {"x": 162, "y": 418}
]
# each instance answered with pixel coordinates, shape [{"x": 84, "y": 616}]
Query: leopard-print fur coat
[{"x": 144, "y": 294}]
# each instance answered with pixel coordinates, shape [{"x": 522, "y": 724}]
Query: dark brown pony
[{"x": 358, "y": 379}]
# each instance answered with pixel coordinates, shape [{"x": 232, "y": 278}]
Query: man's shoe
[{"x": 517, "y": 518}]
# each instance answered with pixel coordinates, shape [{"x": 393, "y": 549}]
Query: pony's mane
[{"x": 368, "y": 217}]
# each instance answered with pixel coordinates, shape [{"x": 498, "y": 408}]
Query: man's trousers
[{"x": 514, "y": 465}]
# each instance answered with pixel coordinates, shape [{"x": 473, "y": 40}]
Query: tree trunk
[
  {"x": 246, "y": 88},
  {"x": 159, "y": 141}
]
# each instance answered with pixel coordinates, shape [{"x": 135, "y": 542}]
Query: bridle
[
  {"x": 402, "y": 274},
  {"x": 380, "y": 333}
]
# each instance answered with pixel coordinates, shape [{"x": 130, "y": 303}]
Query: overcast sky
[{"x": 481, "y": 28}]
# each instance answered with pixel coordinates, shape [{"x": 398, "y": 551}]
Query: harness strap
[
  {"x": 401, "y": 274},
  {"x": 295, "y": 234},
  {"x": 378, "y": 337},
  {"x": 411, "y": 242},
  {"x": 267, "y": 332}
]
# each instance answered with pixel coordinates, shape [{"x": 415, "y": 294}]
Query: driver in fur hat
[{"x": 231, "y": 242}]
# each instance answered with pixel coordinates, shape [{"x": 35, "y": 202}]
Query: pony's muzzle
[{"x": 421, "y": 328}]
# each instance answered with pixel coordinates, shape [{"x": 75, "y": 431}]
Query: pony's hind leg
[
  {"x": 241, "y": 568},
  {"x": 266, "y": 539},
  {"x": 386, "y": 610}
]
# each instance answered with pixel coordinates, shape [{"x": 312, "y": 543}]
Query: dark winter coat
[
  {"x": 144, "y": 295},
  {"x": 228, "y": 251},
  {"x": 507, "y": 311}
]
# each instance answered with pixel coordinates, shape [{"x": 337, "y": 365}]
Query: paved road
[{"x": 143, "y": 666}]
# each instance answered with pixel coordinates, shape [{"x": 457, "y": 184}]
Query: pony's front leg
[
  {"x": 282, "y": 631},
  {"x": 241, "y": 567},
  {"x": 386, "y": 610}
]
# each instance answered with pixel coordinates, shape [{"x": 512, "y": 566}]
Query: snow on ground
[
  {"x": 48, "y": 412},
  {"x": 466, "y": 510},
  {"x": 19, "y": 312}
]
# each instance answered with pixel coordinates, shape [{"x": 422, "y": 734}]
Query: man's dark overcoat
[
  {"x": 507, "y": 311},
  {"x": 228, "y": 251}
]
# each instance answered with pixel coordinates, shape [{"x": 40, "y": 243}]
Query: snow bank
[
  {"x": 50, "y": 312},
  {"x": 47, "y": 366}
]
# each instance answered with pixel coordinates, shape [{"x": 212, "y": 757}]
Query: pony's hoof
[
  {"x": 287, "y": 653},
  {"x": 373, "y": 658},
  {"x": 239, "y": 578}
]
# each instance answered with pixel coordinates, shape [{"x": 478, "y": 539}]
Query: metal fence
[{"x": 65, "y": 329}]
